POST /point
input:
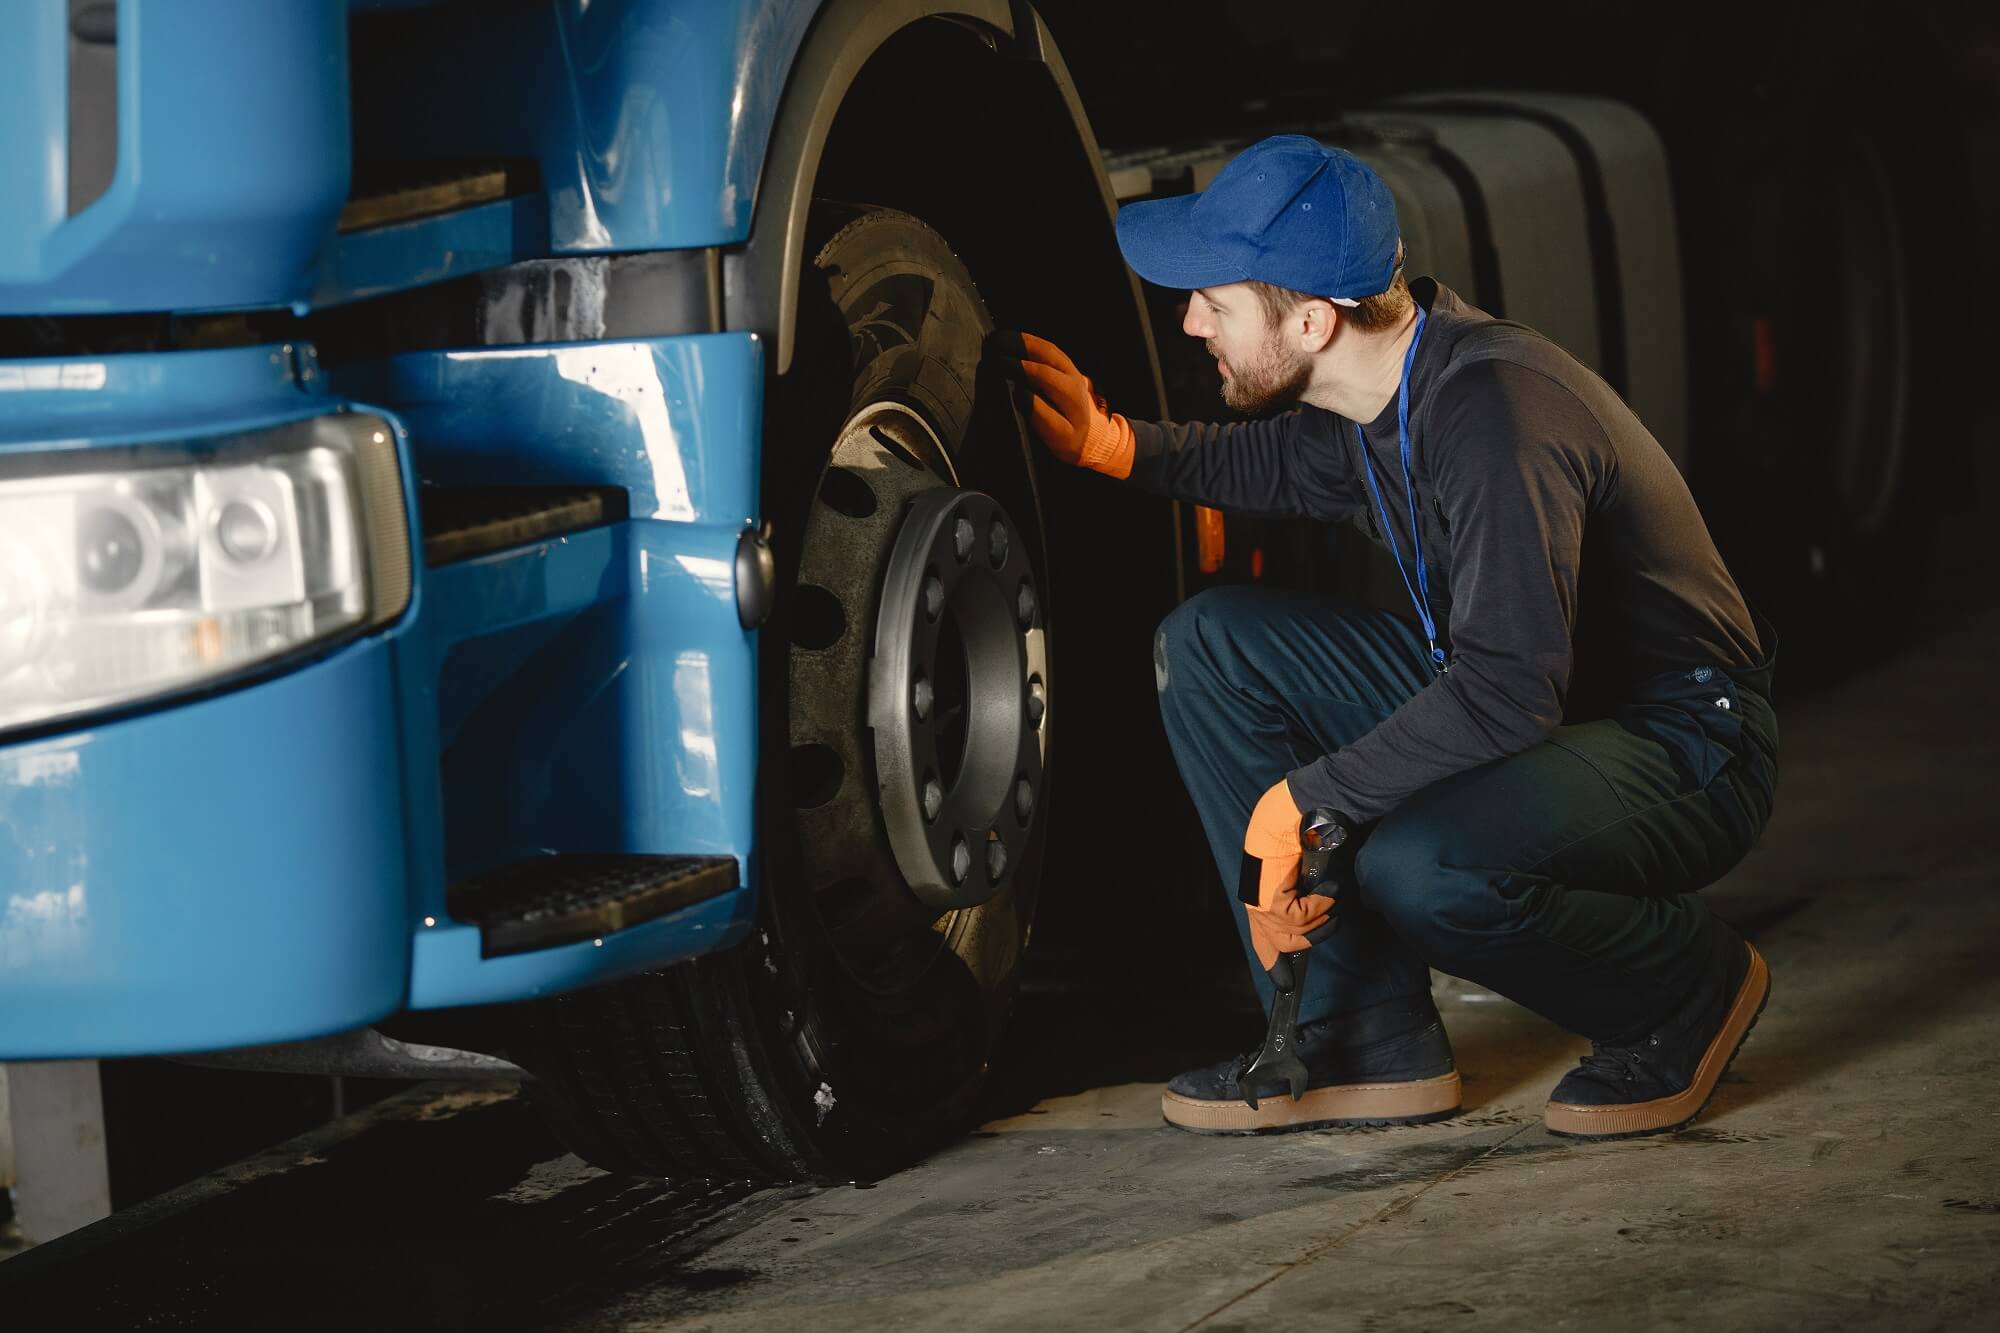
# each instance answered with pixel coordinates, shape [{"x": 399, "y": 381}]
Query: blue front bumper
[
  {"x": 218, "y": 874},
  {"x": 270, "y": 863}
]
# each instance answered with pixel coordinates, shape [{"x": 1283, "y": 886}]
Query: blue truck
[{"x": 503, "y": 516}]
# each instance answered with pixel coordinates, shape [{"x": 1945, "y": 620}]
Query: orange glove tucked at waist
[
  {"x": 1068, "y": 416},
  {"x": 1280, "y": 918}
]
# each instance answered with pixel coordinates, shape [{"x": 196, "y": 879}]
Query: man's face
[{"x": 1262, "y": 369}]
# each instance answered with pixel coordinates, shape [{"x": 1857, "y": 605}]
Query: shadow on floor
[{"x": 401, "y": 1226}]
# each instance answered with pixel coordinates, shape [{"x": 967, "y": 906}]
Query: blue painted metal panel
[
  {"x": 449, "y": 971},
  {"x": 672, "y": 420},
  {"x": 594, "y": 692},
  {"x": 649, "y": 118},
  {"x": 367, "y": 263},
  {"x": 34, "y": 108},
  {"x": 218, "y": 874},
  {"x": 602, "y": 697},
  {"x": 675, "y": 103},
  {"x": 88, "y": 402},
  {"x": 232, "y": 157}
]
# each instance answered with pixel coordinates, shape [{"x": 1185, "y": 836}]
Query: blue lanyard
[{"x": 1420, "y": 594}]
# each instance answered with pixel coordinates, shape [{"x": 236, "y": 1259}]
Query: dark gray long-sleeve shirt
[{"x": 1567, "y": 559}]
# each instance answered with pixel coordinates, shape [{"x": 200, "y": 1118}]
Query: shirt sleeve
[
  {"x": 1514, "y": 495},
  {"x": 1291, "y": 465}
]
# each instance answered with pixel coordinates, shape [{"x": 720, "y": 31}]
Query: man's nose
[{"x": 1193, "y": 324}]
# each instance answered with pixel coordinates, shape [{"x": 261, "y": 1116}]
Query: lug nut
[
  {"x": 961, "y": 859},
  {"x": 933, "y": 597},
  {"x": 1024, "y": 800},
  {"x": 921, "y": 696},
  {"x": 996, "y": 544},
  {"x": 961, "y": 538},
  {"x": 996, "y": 860},
  {"x": 1037, "y": 704},
  {"x": 1024, "y": 606},
  {"x": 933, "y": 797}
]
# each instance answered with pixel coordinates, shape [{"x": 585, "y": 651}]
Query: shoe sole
[
  {"x": 1635, "y": 1119},
  {"x": 1351, "y": 1106}
]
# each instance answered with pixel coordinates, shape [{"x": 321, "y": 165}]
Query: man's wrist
[{"x": 1107, "y": 445}]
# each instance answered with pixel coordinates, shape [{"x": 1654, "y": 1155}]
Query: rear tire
[{"x": 851, "y": 1032}]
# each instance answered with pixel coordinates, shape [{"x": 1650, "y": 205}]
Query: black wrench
[{"x": 1322, "y": 835}]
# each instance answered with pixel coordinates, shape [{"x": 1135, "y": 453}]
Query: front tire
[{"x": 905, "y": 713}]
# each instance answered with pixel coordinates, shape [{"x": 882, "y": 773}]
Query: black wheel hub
[
  {"x": 957, "y": 698},
  {"x": 918, "y": 651}
]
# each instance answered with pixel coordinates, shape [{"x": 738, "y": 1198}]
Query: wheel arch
[{"x": 1009, "y": 150}]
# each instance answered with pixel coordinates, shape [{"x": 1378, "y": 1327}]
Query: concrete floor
[{"x": 1847, "y": 1173}]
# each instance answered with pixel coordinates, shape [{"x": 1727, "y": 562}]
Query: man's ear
[{"x": 1318, "y": 320}]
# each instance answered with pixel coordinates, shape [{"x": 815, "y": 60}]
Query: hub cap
[
  {"x": 957, "y": 697},
  {"x": 943, "y": 657}
]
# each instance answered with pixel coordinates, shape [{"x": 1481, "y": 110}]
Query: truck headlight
[{"x": 130, "y": 573}]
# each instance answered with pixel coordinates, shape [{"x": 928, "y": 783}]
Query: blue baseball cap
[{"x": 1288, "y": 211}]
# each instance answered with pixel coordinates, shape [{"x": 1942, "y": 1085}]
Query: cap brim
[{"x": 1159, "y": 241}]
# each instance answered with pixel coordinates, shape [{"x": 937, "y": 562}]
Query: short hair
[{"x": 1374, "y": 313}]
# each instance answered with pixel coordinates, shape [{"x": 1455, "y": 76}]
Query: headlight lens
[{"x": 130, "y": 573}]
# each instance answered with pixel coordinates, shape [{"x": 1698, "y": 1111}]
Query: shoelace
[
  {"x": 1626, "y": 1062},
  {"x": 1309, "y": 1034}
]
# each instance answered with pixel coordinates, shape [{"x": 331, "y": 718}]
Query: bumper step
[
  {"x": 461, "y": 522},
  {"x": 547, "y": 901},
  {"x": 404, "y": 192}
]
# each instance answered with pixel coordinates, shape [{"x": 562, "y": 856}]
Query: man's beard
[{"x": 1273, "y": 382}]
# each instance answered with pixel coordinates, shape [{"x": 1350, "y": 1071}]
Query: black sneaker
[
  {"x": 1389, "y": 1064},
  {"x": 1663, "y": 1082}
]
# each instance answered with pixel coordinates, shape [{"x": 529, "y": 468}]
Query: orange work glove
[
  {"x": 1068, "y": 416},
  {"x": 1279, "y": 917}
]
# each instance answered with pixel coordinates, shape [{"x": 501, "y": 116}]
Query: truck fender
[{"x": 761, "y": 278}]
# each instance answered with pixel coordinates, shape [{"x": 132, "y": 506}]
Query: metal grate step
[
  {"x": 405, "y": 191},
  {"x": 546, "y": 901},
  {"x": 461, "y": 522}
]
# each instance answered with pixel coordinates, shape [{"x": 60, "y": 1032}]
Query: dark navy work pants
[{"x": 1562, "y": 877}]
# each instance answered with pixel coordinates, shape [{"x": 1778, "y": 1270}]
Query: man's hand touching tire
[{"x": 1064, "y": 411}]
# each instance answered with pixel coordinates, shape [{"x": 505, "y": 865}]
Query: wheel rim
[
  {"x": 957, "y": 698},
  {"x": 894, "y": 630}
]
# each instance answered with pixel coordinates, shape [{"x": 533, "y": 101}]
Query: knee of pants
[
  {"x": 1400, "y": 874},
  {"x": 1181, "y": 651}
]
